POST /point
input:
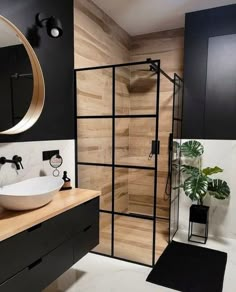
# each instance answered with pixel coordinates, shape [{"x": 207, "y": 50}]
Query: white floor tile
[{"x": 96, "y": 273}]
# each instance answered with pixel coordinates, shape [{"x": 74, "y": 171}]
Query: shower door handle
[{"x": 155, "y": 150}]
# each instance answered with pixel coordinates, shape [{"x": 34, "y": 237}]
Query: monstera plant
[{"x": 198, "y": 182}]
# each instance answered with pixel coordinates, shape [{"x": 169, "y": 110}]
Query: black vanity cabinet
[{"x": 32, "y": 259}]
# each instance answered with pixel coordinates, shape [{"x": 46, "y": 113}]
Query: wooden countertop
[{"x": 13, "y": 222}]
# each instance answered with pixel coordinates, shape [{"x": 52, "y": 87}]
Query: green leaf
[
  {"x": 195, "y": 187},
  {"x": 219, "y": 189},
  {"x": 212, "y": 170},
  {"x": 190, "y": 170},
  {"x": 192, "y": 149}
]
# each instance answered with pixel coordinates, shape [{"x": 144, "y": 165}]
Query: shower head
[{"x": 153, "y": 67}]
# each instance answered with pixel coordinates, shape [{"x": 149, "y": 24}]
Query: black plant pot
[{"x": 198, "y": 214}]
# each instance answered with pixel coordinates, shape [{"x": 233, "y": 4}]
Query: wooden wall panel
[
  {"x": 98, "y": 40},
  {"x": 166, "y": 46}
]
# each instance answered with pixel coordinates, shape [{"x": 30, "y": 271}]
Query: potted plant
[{"x": 197, "y": 181}]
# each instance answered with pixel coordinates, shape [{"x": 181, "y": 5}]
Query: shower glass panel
[
  {"x": 105, "y": 234},
  {"x": 136, "y": 90},
  {"x": 134, "y": 138},
  {"x": 122, "y": 85},
  {"x": 134, "y": 193},
  {"x": 175, "y": 154},
  {"x": 124, "y": 117},
  {"x": 165, "y": 128},
  {"x": 133, "y": 239},
  {"x": 94, "y": 88},
  {"x": 94, "y": 140},
  {"x": 121, "y": 200},
  {"x": 162, "y": 236},
  {"x": 97, "y": 178}
]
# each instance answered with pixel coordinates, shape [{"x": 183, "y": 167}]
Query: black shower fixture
[
  {"x": 153, "y": 66},
  {"x": 53, "y": 25}
]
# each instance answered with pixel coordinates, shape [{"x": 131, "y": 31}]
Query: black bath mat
[{"x": 189, "y": 268}]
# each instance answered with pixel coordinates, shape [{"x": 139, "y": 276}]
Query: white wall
[
  {"x": 31, "y": 153},
  {"x": 222, "y": 213}
]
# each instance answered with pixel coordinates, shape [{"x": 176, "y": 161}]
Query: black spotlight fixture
[{"x": 53, "y": 25}]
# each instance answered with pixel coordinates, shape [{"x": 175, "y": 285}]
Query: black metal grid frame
[{"x": 113, "y": 165}]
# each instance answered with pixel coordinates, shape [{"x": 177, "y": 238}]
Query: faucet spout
[{"x": 16, "y": 160}]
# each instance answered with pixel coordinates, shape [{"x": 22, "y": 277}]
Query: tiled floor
[{"x": 96, "y": 273}]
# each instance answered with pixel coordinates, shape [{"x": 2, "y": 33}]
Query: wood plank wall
[{"x": 100, "y": 41}]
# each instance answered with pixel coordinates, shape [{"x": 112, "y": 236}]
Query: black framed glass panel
[
  {"x": 133, "y": 239},
  {"x": 94, "y": 88},
  {"x": 105, "y": 234},
  {"x": 133, "y": 141},
  {"x": 94, "y": 140},
  {"x": 94, "y": 177}
]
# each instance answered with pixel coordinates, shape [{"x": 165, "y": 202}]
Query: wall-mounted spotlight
[{"x": 53, "y": 25}]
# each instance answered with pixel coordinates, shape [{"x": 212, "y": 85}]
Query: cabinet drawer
[
  {"x": 42, "y": 272},
  {"x": 21, "y": 250},
  {"x": 85, "y": 215},
  {"x": 85, "y": 241}
]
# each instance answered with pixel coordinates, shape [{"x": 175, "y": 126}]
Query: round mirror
[{"x": 21, "y": 81}]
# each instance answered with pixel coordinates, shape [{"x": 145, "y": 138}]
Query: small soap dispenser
[{"x": 67, "y": 182}]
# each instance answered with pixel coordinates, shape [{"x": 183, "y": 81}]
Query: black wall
[
  {"x": 210, "y": 74},
  {"x": 56, "y": 57}
]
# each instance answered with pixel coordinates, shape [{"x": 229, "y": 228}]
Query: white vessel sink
[{"x": 30, "y": 194}]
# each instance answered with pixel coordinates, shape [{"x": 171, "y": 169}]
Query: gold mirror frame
[{"x": 38, "y": 96}]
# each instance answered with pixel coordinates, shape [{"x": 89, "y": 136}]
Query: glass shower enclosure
[{"x": 125, "y": 114}]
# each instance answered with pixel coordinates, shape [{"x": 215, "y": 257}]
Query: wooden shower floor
[{"x": 133, "y": 238}]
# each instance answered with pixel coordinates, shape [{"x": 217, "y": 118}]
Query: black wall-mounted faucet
[{"x": 17, "y": 160}]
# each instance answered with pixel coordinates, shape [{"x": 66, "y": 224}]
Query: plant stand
[{"x": 198, "y": 214}]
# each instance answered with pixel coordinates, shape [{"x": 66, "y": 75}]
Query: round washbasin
[{"x": 30, "y": 194}]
